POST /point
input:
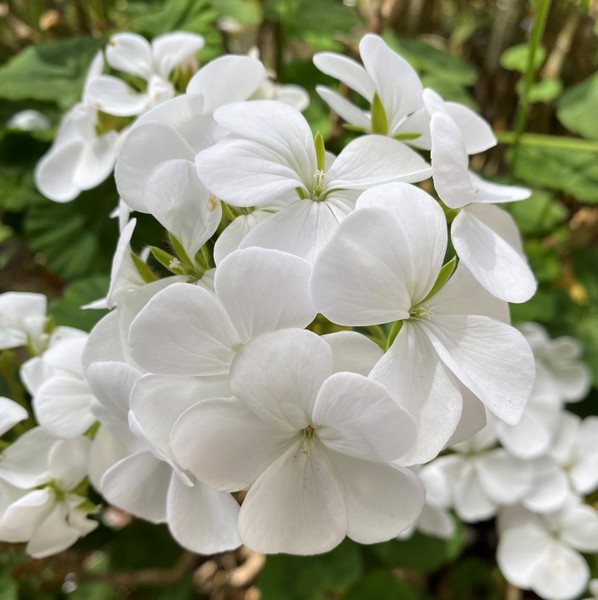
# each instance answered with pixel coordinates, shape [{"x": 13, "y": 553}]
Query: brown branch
[{"x": 186, "y": 563}]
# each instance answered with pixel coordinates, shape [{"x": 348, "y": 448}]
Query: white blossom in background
[
  {"x": 11, "y": 413},
  {"x": 29, "y": 120},
  {"x": 51, "y": 518},
  {"x": 483, "y": 477},
  {"x": 395, "y": 94},
  {"x": 60, "y": 394},
  {"x": 275, "y": 159},
  {"x": 152, "y": 62},
  {"x": 298, "y": 437},
  {"x": 79, "y": 158},
  {"x": 560, "y": 373},
  {"x": 22, "y": 320},
  {"x": 593, "y": 588},
  {"x": 542, "y": 552}
]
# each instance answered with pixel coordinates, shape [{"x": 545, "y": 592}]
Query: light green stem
[
  {"x": 547, "y": 141},
  {"x": 543, "y": 7}
]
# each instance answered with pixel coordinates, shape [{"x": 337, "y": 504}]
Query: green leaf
[
  {"x": 313, "y": 577},
  {"x": 515, "y": 58},
  {"x": 427, "y": 59},
  {"x": 545, "y": 90},
  {"x": 474, "y": 578},
  {"x": 67, "y": 310},
  {"x": 572, "y": 171},
  {"x": 75, "y": 239},
  {"x": 443, "y": 276},
  {"x": 380, "y": 585},
  {"x": 144, "y": 271},
  {"x": 51, "y": 72},
  {"x": 17, "y": 189},
  {"x": 379, "y": 120},
  {"x": 420, "y": 552},
  {"x": 576, "y": 109},
  {"x": 197, "y": 16},
  {"x": 242, "y": 11},
  {"x": 540, "y": 214}
]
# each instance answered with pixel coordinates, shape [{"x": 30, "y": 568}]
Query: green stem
[
  {"x": 547, "y": 141},
  {"x": 543, "y": 7}
]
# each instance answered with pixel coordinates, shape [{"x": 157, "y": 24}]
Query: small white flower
[
  {"x": 22, "y": 320},
  {"x": 310, "y": 445}
]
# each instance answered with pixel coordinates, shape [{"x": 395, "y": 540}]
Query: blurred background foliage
[{"x": 529, "y": 67}]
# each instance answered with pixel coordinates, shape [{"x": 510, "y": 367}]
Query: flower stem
[{"x": 547, "y": 141}]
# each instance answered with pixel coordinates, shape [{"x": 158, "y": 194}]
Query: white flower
[
  {"x": 395, "y": 94},
  {"x": 131, "y": 461},
  {"x": 61, "y": 397},
  {"x": 310, "y": 445},
  {"x": 271, "y": 158},
  {"x": 186, "y": 330},
  {"x": 22, "y": 320},
  {"x": 181, "y": 127},
  {"x": 483, "y": 477},
  {"x": 485, "y": 237},
  {"x": 49, "y": 519},
  {"x": 541, "y": 553},
  {"x": 559, "y": 372},
  {"x": 380, "y": 267},
  {"x": 29, "y": 120},
  {"x": 153, "y": 63},
  {"x": 79, "y": 159}
]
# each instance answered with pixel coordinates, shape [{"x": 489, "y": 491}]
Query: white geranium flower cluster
[{"x": 315, "y": 341}]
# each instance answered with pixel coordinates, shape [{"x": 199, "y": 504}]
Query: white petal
[
  {"x": 476, "y": 131},
  {"x": 504, "y": 478},
  {"x": 68, "y": 460},
  {"x": 54, "y": 172},
  {"x": 419, "y": 382},
  {"x": 175, "y": 197},
  {"x": 421, "y": 231},
  {"x": 491, "y": 358},
  {"x": 353, "y": 351},
  {"x": 230, "y": 239},
  {"x": 345, "y": 109},
  {"x": 158, "y": 401},
  {"x": 530, "y": 438},
  {"x": 224, "y": 444},
  {"x": 397, "y": 84},
  {"x": 302, "y": 228},
  {"x": 550, "y": 490},
  {"x": 104, "y": 342},
  {"x": 473, "y": 417},
  {"x": 139, "y": 485},
  {"x": 520, "y": 551},
  {"x": 172, "y": 49},
  {"x": 347, "y": 70},
  {"x": 25, "y": 515},
  {"x": 105, "y": 451},
  {"x": 358, "y": 277},
  {"x": 579, "y": 528},
  {"x": 381, "y": 501},
  {"x": 357, "y": 416},
  {"x": 463, "y": 295},
  {"x": 375, "y": 160},
  {"x": 24, "y": 463},
  {"x": 227, "y": 79},
  {"x": 146, "y": 146},
  {"x": 183, "y": 330},
  {"x": 297, "y": 496},
  {"x": 278, "y": 376},
  {"x": 563, "y": 573},
  {"x": 264, "y": 290},
  {"x": 202, "y": 520},
  {"x": 63, "y": 406},
  {"x": 113, "y": 96},
  {"x": 130, "y": 53},
  {"x": 470, "y": 500},
  {"x": 487, "y": 241},
  {"x": 11, "y": 413}
]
